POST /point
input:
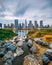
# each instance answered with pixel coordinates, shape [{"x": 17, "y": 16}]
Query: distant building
[
  {"x": 4, "y": 25},
  {"x": 16, "y": 23},
  {"x": 12, "y": 25},
  {"x": 30, "y": 25},
  {"x": 19, "y": 26},
  {"x": 35, "y": 24},
  {"x": 25, "y": 24},
  {"x": 0, "y": 25},
  {"x": 41, "y": 23},
  {"x": 51, "y": 26},
  {"x": 9, "y": 26},
  {"x": 48, "y": 26}
]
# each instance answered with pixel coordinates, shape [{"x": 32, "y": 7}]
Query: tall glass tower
[
  {"x": 25, "y": 23},
  {"x": 16, "y": 23}
]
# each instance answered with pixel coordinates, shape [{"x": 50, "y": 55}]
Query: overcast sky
[{"x": 26, "y": 9}]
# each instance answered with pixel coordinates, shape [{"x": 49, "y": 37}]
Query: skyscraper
[
  {"x": 0, "y": 25},
  {"x": 30, "y": 25},
  {"x": 4, "y": 25},
  {"x": 41, "y": 23},
  {"x": 35, "y": 24},
  {"x": 16, "y": 23},
  {"x": 25, "y": 23}
]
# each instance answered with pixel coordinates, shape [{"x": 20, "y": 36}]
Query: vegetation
[
  {"x": 31, "y": 32},
  {"x": 39, "y": 33},
  {"x": 44, "y": 32},
  {"x": 6, "y": 34}
]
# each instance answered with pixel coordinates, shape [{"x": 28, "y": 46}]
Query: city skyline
[
  {"x": 21, "y": 25},
  {"x": 26, "y": 23},
  {"x": 29, "y": 9}
]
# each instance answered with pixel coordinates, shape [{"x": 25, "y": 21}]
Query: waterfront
[
  {"x": 41, "y": 49},
  {"x": 39, "y": 46},
  {"x": 22, "y": 33},
  {"x": 19, "y": 60}
]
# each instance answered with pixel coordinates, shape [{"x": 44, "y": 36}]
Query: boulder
[
  {"x": 45, "y": 59},
  {"x": 32, "y": 60},
  {"x": 20, "y": 43},
  {"x": 8, "y": 62},
  {"x": 29, "y": 43},
  {"x": 33, "y": 49},
  {"x": 8, "y": 55},
  {"x": 50, "y": 46},
  {"x": 19, "y": 52}
]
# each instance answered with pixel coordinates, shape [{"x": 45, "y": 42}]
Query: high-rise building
[
  {"x": 16, "y": 23},
  {"x": 0, "y": 25},
  {"x": 25, "y": 23},
  {"x": 4, "y": 25},
  {"x": 8, "y": 25},
  {"x": 30, "y": 25},
  {"x": 35, "y": 24},
  {"x": 12, "y": 25},
  {"x": 19, "y": 26},
  {"x": 41, "y": 23}
]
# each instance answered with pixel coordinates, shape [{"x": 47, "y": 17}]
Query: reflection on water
[{"x": 22, "y": 33}]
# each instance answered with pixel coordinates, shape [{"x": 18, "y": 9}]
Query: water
[
  {"x": 22, "y": 33},
  {"x": 19, "y": 60}
]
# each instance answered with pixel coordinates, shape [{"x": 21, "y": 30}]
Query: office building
[
  {"x": 41, "y": 23},
  {"x": 30, "y": 25},
  {"x": 25, "y": 23},
  {"x": 35, "y": 24},
  {"x": 0, "y": 25},
  {"x": 16, "y": 23},
  {"x": 12, "y": 25}
]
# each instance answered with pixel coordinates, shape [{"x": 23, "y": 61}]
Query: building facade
[{"x": 16, "y": 23}]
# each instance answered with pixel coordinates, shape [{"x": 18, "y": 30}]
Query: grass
[
  {"x": 31, "y": 32},
  {"x": 40, "y": 33},
  {"x": 44, "y": 32},
  {"x": 6, "y": 34}
]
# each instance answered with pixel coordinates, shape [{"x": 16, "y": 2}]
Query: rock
[
  {"x": 8, "y": 62},
  {"x": 29, "y": 43},
  {"x": 33, "y": 49},
  {"x": 45, "y": 59},
  {"x": 19, "y": 52},
  {"x": 50, "y": 46},
  {"x": 32, "y": 60},
  {"x": 2, "y": 52},
  {"x": 8, "y": 55},
  {"x": 48, "y": 53},
  {"x": 36, "y": 39},
  {"x": 10, "y": 46},
  {"x": 20, "y": 43}
]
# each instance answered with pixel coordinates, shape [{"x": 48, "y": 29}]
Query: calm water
[
  {"x": 19, "y": 60},
  {"x": 22, "y": 33}
]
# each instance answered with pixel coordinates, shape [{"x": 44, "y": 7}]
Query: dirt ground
[{"x": 41, "y": 49}]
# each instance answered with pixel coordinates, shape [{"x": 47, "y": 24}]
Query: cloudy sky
[{"x": 26, "y": 9}]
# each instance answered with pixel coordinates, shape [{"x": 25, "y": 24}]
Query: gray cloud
[{"x": 28, "y": 8}]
